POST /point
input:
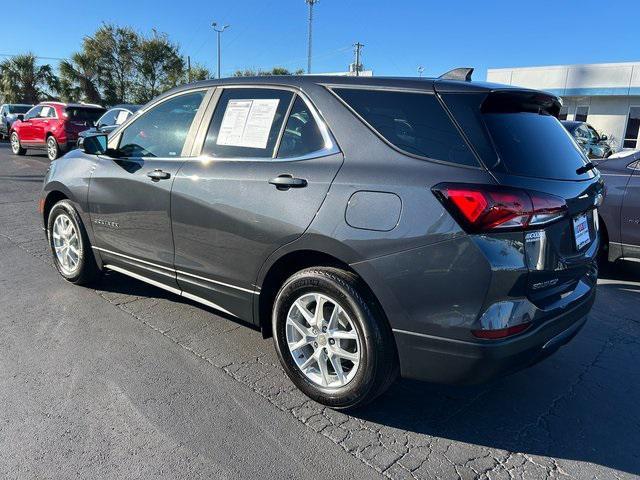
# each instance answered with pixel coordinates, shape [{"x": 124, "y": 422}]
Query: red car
[{"x": 52, "y": 126}]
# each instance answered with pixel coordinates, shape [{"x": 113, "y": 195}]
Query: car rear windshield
[
  {"x": 535, "y": 145},
  {"x": 18, "y": 108},
  {"x": 87, "y": 115},
  {"x": 414, "y": 122}
]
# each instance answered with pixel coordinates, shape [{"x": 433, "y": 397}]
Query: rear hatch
[
  {"x": 80, "y": 118},
  {"x": 524, "y": 146}
]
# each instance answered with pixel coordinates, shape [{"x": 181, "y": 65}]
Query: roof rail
[{"x": 463, "y": 74}]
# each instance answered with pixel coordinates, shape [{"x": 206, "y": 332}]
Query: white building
[{"x": 607, "y": 95}]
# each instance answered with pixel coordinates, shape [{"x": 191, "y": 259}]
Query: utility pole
[
  {"x": 358, "y": 47},
  {"x": 219, "y": 31},
  {"x": 420, "y": 70},
  {"x": 189, "y": 68},
  {"x": 311, "y": 3}
]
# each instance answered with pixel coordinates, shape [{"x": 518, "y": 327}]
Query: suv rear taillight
[{"x": 483, "y": 208}]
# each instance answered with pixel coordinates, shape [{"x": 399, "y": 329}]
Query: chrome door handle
[{"x": 158, "y": 174}]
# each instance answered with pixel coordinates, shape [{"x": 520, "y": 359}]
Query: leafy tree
[
  {"x": 79, "y": 79},
  {"x": 199, "y": 72},
  {"x": 113, "y": 50},
  {"x": 159, "y": 66},
  {"x": 261, "y": 73},
  {"x": 22, "y": 80}
]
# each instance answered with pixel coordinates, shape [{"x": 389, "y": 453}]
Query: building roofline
[{"x": 574, "y": 65}]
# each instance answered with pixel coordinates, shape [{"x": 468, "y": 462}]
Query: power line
[{"x": 36, "y": 56}]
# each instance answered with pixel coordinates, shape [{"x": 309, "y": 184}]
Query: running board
[{"x": 173, "y": 290}]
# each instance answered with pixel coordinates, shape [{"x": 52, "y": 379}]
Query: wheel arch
[{"x": 279, "y": 269}]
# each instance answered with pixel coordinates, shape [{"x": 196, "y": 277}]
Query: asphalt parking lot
[{"x": 124, "y": 380}]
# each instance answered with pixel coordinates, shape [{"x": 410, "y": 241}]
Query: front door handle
[
  {"x": 285, "y": 182},
  {"x": 158, "y": 174}
]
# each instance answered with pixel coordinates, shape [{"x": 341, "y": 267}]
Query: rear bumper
[{"x": 442, "y": 360}]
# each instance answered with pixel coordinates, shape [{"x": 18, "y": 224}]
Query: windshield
[
  {"x": 18, "y": 108},
  {"x": 88, "y": 115},
  {"x": 535, "y": 145}
]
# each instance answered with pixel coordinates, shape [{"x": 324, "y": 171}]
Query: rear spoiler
[{"x": 513, "y": 101}]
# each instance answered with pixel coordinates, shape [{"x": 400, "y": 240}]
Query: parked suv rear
[
  {"x": 52, "y": 126},
  {"x": 440, "y": 228}
]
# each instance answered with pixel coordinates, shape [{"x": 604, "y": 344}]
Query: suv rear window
[
  {"x": 535, "y": 145},
  {"x": 79, "y": 114},
  {"x": 18, "y": 108},
  {"x": 413, "y": 122}
]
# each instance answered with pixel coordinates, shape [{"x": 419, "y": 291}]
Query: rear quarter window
[{"x": 415, "y": 123}]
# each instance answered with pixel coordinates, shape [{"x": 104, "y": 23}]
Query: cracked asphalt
[{"x": 124, "y": 380}]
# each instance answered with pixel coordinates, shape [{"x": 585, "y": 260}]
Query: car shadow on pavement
[{"x": 579, "y": 404}]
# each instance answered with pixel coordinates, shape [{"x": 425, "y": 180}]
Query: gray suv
[{"x": 373, "y": 226}]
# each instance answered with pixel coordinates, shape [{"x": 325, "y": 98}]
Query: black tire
[
  {"x": 378, "y": 367},
  {"x": 53, "y": 149},
  {"x": 16, "y": 147},
  {"x": 86, "y": 270}
]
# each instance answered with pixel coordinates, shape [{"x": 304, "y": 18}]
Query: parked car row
[
  {"x": 58, "y": 127},
  {"x": 9, "y": 113},
  {"x": 439, "y": 229},
  {"x": 592, "y": 143}
]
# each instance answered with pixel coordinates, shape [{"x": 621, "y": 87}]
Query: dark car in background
[
  {"x": 620, "y": 213},
  {"x": 108, "y": 122},
  {"x": 53, "y": 127},
  {"x": 592, "y": 143},
  {"x": 371, "y": 225},
  {"x": 9, "y": 113}
]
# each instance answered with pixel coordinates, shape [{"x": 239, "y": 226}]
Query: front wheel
[
  {"x": 70, "y": 247},
  {"x": 53, "y": 150},
  {"x": 16, "y": 148},
  {"x": 332, "y": 339}
]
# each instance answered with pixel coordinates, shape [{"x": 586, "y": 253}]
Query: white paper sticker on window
[{"x": 247, "y": 123}]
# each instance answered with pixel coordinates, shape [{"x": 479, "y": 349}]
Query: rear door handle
[
  {"x": 158, "y": 174},
  {"x": 285, "y": 182}
]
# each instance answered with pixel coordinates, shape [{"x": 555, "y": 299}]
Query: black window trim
[
  {"x": 187, "y": 148},
  {"x": 480, "y": 165},
  {"x": 331, "y": 146}
]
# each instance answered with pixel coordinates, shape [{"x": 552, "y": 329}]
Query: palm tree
[
  {"x": 79, "y": 79},
  {"x": 23, "y": 80}
]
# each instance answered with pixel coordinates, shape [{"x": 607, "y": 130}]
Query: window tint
[
  {"x": 581, "y": 114},
  {"x": 33, "y": 113},
  {"x": 108, "y": 118},
  {"x": 301, "y": 133},
  {"x": 564, "y": 110},
  {"x": 17, "y": 108},
  {"x": 535, "y": 145},
  {"x": 84, "y": 115},
  {"x": 413, "y": 122},
  {"x": 247, "y": 122},
  {"x": 162, "y": 131},
  {"x": 633, "y": 128}
]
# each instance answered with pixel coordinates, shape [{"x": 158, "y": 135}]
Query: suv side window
[
  {"x": 33, "y": 113},
  {"x": 163, "y": 130},
  {"x": 47, "y": 112},
  {"x": 108, "y": 118},
  {"x": 301, "y": 133},
  {"x": 413, "y": 122},
  {"x": 247, "y": 123}
]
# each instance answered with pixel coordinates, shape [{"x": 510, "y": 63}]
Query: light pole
[
  {"x": 219, "y": 31},
  {"x": 420, "y": 70},
  {"x": 311, "y": 3}
]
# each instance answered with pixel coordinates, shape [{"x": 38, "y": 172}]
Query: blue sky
[{"x": 398, "y": 35}]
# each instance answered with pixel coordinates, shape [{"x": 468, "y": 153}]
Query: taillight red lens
[
  {"x": 481, "y": 208},
  {"x": 501, "y": 333}
]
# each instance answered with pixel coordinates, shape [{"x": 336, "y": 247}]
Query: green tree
[
  {"x": 199, "y": 72},
  {"x": 79, "y": 79},
  {"x": 159, "y": 67},
  {"x": 114, "y": 50},
  {"x": 22, "y": 80},
  {"x": 261, "y": 73}
]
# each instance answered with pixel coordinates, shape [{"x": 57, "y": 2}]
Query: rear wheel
[
  {"x": 332, "y": 339},
  {"x": 53, "y": 150},
  {"x": 16, "y": 148},
  {"x": 70, "y": 247}
]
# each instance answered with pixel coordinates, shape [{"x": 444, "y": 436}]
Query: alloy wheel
[
  {"x": 66, "y": 244},
  {"x": 52, "y": 148},
  {"x": 322, "y": 340},
  {"x": 15, "y": 143}
]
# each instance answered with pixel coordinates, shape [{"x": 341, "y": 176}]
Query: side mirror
[
  {"x": 95, "y": 145},
  {"x": 18, "y": 117},
  {"x": 4, "y": 114},
  {"x": 604, "y": 138}
]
